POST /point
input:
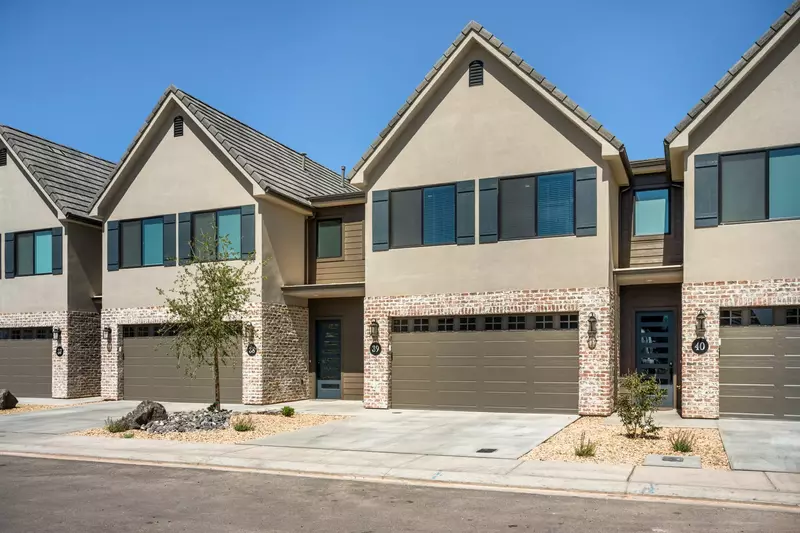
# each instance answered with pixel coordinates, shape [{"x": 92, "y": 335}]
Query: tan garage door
[
  {"x": 451, "y": 366},
  {"x": 26, "y": 361},
  {"x": 151, "y": 372},
  {"x": 760, "y": 363}
]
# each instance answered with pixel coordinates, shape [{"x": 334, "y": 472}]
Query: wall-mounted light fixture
[
  {"x": 57, "y": 334},
  {"x": 700, "y": 326},
  {"x": 592, "y": 341},
  {"x": 107, "y": 334},
  {"x": 250, "y": 332},
  {"x": 374, "y": 329}
]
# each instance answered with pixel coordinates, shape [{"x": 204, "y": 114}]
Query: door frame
[
  {"x": 677, "y": 340},
  {"x": 315, "y": 353}
]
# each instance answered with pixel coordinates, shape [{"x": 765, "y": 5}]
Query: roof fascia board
[
  {"x": 31, "y": 179},
  {"x": 609, "y": 152},
  {"x": 277, "y": 199},
  {"x": 681, "y": 142}
]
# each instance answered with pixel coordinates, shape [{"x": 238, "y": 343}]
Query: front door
[
  {"x": 329, "y": 359},
  {"x": 655, "y": 349}
]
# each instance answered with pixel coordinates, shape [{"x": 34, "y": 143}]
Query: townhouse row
[{"x": 494, "y": 249}]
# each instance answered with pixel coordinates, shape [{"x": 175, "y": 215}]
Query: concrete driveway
[
  {"x": 451, "y": 433},
  {"x": 766, "y": 445}
]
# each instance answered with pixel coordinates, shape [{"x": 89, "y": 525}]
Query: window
[
  {"x": 141, "y": 242},
  {"x": 544, "y": 322},
  {"x": 400, "y": 325},
  {"x": 730, "y": 317},
  {"x": 516, "y": 322},
  {"x": 568, "y": 322},
  {"x": 34, "y": 253},
  {"x": 761, "y": 317},
  {"x": 761, "y": 185},
  {"x": 329, "y": 239},
  {"x": 493, "y": 323},
  {"x": 424, "y": 216},
  {"x": 177, "y": 127},
  {"x": 651, "y": 212},
  {"x": 26, "y": 333},
  {"x": 445, "y": 324},
  {"x": 421, "y": 324},
  {"x": 793, "y": 316},
  {"x": 476, "y": 73},
  {"x": 467, "y": 323},
  {"x": 223, "y": 227},
  {"x": 532, "y": 206}
]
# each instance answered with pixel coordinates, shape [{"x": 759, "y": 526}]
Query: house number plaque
[
  {"x": 700, "y": 346},
  {"x": 375, "y": 348},
  {"x": 251, "y": 349}
]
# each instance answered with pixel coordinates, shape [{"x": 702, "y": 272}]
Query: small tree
[
  {"x": 208, "y": 293},
  {"x": 639, "y": 397}
]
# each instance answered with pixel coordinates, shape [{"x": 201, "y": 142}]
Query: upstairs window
[
  {"x": 34, "y": 253},
  {"x": 651, "y": 212},
  {"x": 537, "y": 206},
  {"x": 423, "y": 217},
  {"x": 476, "y": 73},
  {"x": 762, "y": 185},
  {"x": 141, "y": 242},
  {"x": 329, "y": 239},
  {"x": 224, "y": 228}
]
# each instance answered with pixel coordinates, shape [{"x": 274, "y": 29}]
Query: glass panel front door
[
  {"x": 329, "y": 359},
  {"x": 655, "y": 349}
]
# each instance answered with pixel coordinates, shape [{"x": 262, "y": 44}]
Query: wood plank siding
[{"x": 349, "y": 268}]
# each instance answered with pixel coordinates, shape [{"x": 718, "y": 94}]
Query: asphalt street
[{"x": 43, "y": 495}]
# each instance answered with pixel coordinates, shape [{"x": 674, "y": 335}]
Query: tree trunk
[{"x": 216, "y": 379}]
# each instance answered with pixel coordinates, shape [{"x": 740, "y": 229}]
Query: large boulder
[
  {"x": 145, "y": 412},
  {"x": 7, "y": 400}
]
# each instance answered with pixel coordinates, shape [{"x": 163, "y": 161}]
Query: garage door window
[
  {"x": 516, "y": 322},
  {"x": 568, "y": 322},
  {"x": 485, "y": 323},
  {"x": 26, "y": 333},
  {"x": 400, "y": 325},
  {"x": 467, "y": 323},
  {"x": 759, "y": 316},
  {"x": 544, "y": 322},
  {"x": 493, "y": 323},
  {"x": 445, "y": 324},
  {"x": 421, "y": 324},
  {"x": 793, "y": 316}
]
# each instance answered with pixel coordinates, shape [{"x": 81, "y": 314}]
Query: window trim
[
  {"x": 216, "y": 227},
  {"x": 141, "y": 250},
  {"x": 17, "y": 255},
  {"x": 422, "y": 188},
  {"x": 332, "y": 259},
  {"x": 536, "y": 177},
  {"x": 720, "y": 191}
]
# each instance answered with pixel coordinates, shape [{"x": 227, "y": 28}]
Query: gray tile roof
[
  {"x": 274, "y": 166},
  {"x": 515, "y": 59},
  {"x": 71, "y": 178},
  {"x": 734, "y": 71}
]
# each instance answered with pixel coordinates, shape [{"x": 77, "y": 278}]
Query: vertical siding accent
[
  {"x": 706, "y": 190},
  {"x": 184, "y": 238},
  {"x": 380, "y": 221},
  {"x": 248, "y": 230},
  {"x": 58, "y": 255},
  {"x": 465, "y": 212},
  {"x": 487, "y": 206},
  {"x": 170, "y": 251},
  {"x": 586, "y": 201},
  {"x": 112, "y": 245}
]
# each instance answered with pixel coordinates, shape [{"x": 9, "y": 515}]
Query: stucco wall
[
  {"x": 502, "y": 128},
  {"x": 23, "y": 209},
  {"x": 761, "y": 112}
]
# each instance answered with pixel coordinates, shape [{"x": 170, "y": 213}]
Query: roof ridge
[
  {"x": 549, "y": 87},
  {"x": 733, "y": 71},
  {"x": 251, "y": 128},
  {"x": 48, "y": 141}
]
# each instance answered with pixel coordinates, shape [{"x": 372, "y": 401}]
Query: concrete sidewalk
[{"x": 743, "y": 487}]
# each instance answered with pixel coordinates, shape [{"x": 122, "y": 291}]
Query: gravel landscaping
[
  {"x": 31, "y": 407},
  {"x": 264, "y": 425},
  {"x": 613, "y": 447}
]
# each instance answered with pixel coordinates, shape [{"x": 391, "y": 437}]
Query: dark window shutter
[
  {"x": 184, "y": 238},
  {"x": 170, "y": 253},
  {"x": 465, "y": 212},
  {"x": 58, "y": 261},
  {"x": 586, "y": 201},
  {"x": 487, "y": 210},
  {"x": 380, "y": 221},
  {"x": 177, "y": 127},
  {"x": 11, "y": 246},
  {"x": 1, "y": 243},
  {"x": 112, "y": 245},
  {"x": 706, "y": 190},
  {"x": 248, "y": 230},
  {"x": 476, "y": 73},
  {"x": 3, "y": 157}
]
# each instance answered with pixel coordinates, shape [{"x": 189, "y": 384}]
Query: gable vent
[
  {"x": 3, "y": 157},
  {"x": 476, "y": 73},
  {"x": 177, "y": 127}
]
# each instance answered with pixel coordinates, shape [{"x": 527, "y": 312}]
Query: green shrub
[
  {"x": 639, "y": 397},
  {"x": 116, "y": 426},
  {"x": 682, "y": 441},
  {"x": 243, "y": 423},
  {"x": 128, "y": 435},
  {"x": 287, "y": 411},
  {"x": 586, "y": 448}
]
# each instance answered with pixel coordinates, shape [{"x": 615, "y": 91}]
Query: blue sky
[{"x": 324, "y": 77}]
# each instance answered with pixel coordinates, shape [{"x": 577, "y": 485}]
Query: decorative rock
[
  {"x": 145, "y": 412},
  {"x": 7, "y": 400},
  {"x": 188, "y": 421}
]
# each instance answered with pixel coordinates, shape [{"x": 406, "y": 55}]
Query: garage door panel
[
  {"x": 560, "y": 375},
  {"x": 455, "y": 360},
  {"x": 554, "y": 401},
  {"x": 26, "y": 367},
  {"x": 747, "y": 374},
  {"x": 555, "y": 347},
  {"x": 504, "y": 373},
  {"x": 792, "y": 404},
  {"x": 747, "y": 406},
  {"x": 505, "y": 400},
  {"x": 411, "y": 373}
]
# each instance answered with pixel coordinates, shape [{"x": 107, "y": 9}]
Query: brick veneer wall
[
  {"x": 597, "y": 366},
  {"x": 76, "y": 374},
  {"x": 278, "y": 373},
  {"x": 700, "y": 373}
]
